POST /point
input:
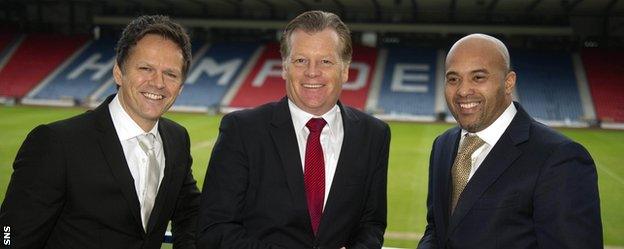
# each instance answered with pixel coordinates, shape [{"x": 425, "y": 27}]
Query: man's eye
[
  {"x": 452, "y": 80},
  {"x": 146, "y": 69},
  {"x": 327, "y": 62},
  {"x": 299, "y": 61}
]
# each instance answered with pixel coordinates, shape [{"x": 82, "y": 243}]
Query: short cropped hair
[
  {"x": 157, "y": 25},
  {"x": 316, "y": 21}
]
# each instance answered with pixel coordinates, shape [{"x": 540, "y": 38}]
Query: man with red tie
[{"x": 306, "y": 171}]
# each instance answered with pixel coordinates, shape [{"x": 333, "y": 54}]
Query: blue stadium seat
[
  {"x": 83, "y": 75},
  {"x": 214, "y": 72},
  {"x": 546, "y": 85},
  {"x": 408, "y": 83}
]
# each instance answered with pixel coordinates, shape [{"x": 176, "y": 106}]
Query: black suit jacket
[
  {"x": 254, "y": 197},
  {"x": 535, "y": 189},
  {"x": 71, "y": 188}
]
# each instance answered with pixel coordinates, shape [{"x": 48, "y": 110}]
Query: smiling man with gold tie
[{"x": 501, "y": 179}]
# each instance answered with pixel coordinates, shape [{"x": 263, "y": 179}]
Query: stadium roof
[
  {"x": 428, "y": 11},
  {"x": 567, "y": 19}
]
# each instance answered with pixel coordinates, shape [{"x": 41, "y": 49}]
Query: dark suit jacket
[
  {"x": 254, "y": 197},
  {"x": 71, "y": 188},
  {"x": 535, "y": 189}
]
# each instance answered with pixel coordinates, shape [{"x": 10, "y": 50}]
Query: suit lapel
[
  {"x": 348, "y": 155},
  {"x": 283, "y": 135},
  {"x": 504, "y": 153},
  {"x": 113, "y": 152},
  {"x": 448, "y": 152},
  {"x": 170, "y": 157}
]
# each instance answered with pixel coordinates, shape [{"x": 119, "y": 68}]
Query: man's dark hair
[
  {"x": 157, "y": 25},
  {"x": 316, "y": 21}
]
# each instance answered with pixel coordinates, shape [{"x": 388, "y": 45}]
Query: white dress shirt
[
  {"x": 128, "y": 131},
  {"x": 490, "y": 135},
  {"x": 331, "y": 139}
]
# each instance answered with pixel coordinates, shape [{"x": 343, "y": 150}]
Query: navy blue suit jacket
[{"x": 535, "y": 189}]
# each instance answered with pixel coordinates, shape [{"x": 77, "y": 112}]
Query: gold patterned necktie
[
  {"x": 146, "y": 141},
  {"x": 462, "y": 166}
]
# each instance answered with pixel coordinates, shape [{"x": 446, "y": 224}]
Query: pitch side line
[{"x": 610, "y": 173}]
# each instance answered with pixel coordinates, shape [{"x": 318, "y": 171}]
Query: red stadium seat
[
  {"x": 606, "y": 82},
  {"x": 36, "y": 57}
]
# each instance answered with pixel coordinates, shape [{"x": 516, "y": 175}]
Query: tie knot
[
  {"x": 471, "y": 143},
  {"x": 146, "y": 141},
  {"x": 316, "y": 124}
]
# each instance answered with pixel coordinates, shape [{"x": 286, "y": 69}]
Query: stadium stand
[
  {"x": 408, "y": 83},
  {"x": 233, "y": 75},
  {"x": 263, "y": 83},
  {"x": 355, "y": 91},
  {"x": 85, "y": 73},
  {"x": 546, "y": 85},
  {"x": 8, "y": 43},
  {"x": 606, "y": 83},
  {"x": 213, "y": 73},
  {"x": 40, "y": 55}
]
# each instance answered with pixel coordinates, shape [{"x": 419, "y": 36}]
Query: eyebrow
[
  {"x": 480, "y": 70},
  {"x": 450, "y": 73}
]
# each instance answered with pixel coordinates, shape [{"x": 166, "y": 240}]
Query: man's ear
[
  {"x": 117, "y": 75},
  {"x": 510, "y": 82},
  {"x": 345, "y": 72},
  {"x": 284, "y": 68}
]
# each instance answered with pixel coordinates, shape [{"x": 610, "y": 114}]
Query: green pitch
[{"x": 407, "y": 178}]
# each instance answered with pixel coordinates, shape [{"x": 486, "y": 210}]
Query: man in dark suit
[
  {"x": 115, "y": 176},
  {"x": 304, "y": 172},
  {"x": 501, "y": 179}
]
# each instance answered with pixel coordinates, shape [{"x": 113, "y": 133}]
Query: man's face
[
  {"x": 150, "y": 80},
  {"x": 478, "y": 85},
  {"x": 314, "y": 71}
]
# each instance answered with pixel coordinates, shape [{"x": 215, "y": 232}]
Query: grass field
[{"x": 407, "y": 179}]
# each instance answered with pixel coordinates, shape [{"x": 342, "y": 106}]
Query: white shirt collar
[
  {"x": 124, "y": 125},
  {"x": 300, "y": 117},
  {"x": 492, "y": 133}
]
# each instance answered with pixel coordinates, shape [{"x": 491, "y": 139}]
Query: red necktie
[{"x": 314, "y": 175}]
